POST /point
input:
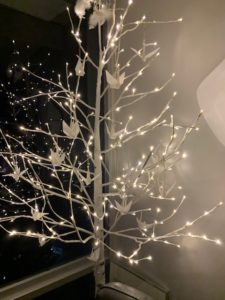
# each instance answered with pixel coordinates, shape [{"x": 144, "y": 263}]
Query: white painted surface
[{"x": 211, "y": 98}]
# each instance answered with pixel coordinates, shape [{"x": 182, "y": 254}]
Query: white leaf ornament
[
  {"x": 115, "y": 82},
  {"x": 123, "y": 208},
  {"x": 99, "y": 16},
  {"x": 113, "y": 135},
  {"x": 72, "y": 130},
  {"x": 143, "y": 226},
  {"x": 88, "y": 179},
  {"x": 17, "y": 174},
  {"x": 36, "y": 214},
  {"x": 144, "y": 56},
  {"x": 81, "y": 6},
  {"x": 79, "y": 69},
  {"x": 57, "y": 157}
]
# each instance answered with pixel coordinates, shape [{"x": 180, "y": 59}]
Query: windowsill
[{"x": 39, "y": 284}]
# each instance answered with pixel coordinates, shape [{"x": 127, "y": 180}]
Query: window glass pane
[{"x": 43, "y": 47}]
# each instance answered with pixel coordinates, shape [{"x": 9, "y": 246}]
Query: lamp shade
[{"x": 211, "y": 99}]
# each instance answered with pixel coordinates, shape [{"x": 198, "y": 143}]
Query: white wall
[{"x": 191, "y": 50}]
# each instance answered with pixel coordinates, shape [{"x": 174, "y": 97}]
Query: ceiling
[{"x": 44, "y": 9}]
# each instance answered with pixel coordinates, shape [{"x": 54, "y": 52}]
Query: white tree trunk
[{"x": 98, "y": 199}]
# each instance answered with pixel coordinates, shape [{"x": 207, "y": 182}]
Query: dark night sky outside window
[{"x": 21, "y": 257}]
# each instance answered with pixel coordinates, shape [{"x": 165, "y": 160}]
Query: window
[{"x": 43, "y": 47}]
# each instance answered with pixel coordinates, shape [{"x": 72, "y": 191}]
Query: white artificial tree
[{"x": 79, "y": 180}]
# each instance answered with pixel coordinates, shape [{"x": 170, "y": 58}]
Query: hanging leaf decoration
[
  {"x": 99, "y": 16},
  {"x": 144, "y": 56},
  {"x": 123, "y": 208},
  {"x": 143, "y": 226},
  {"x": 37, "y": 215},
  {"x": 17, "y": 174},
  {"x": 57, "y": 157},
  {"x": 72, "y": 130},
  {"x": 81, "y": 7},
  {"x": 113, "y": 135},
  {"x": 88, "y": 179},
  {"x": 79, "y": 69},
  {"x": 115, "y": 82}
]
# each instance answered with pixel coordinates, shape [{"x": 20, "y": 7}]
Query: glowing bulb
[
  {"x": 131, "y": 261},
  {"x": 13, "y": 232},
  {"x": 184, "y": 155}
]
